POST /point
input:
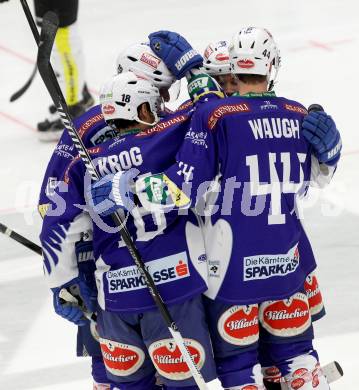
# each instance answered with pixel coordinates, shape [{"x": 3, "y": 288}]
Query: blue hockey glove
[
  {"x": 112, "y": 192},
  {"x": 74, "y": 312},
  {"x": 319, "y": 130},
  {"x": 175, "y": 51}
]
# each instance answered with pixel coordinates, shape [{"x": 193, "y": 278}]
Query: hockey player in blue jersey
[
  {"x": 93, "y": 129},
  {"x": 217, "y": 64},
  {"x": 256, "y": 147},
  {"x": 268, "y": 151},
  {"x": 134, "y": 341}
]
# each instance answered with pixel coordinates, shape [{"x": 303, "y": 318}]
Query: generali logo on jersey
[
  {"x": 121, "y": 359},
  {"x": 161, "y": 126},
  {"x": 239, "y": 325},
  {"x": 89, "y": 124},
  {"x": 292, "y": 107},
  {"x": 221, "y": 111},
  {"x": 289, "y": 317},
  {"x": 169, "y": 361},
  {"x": 150, "y": 60}
]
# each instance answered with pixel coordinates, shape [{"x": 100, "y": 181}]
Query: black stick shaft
[
  {"x": 48, "y": 33},
  {"x": 36, "y": 35},
  {"x": 31, "y": 21},
  {"x": 21, "y": 239}
]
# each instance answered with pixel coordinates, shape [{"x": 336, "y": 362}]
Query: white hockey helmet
[
  {"x": 122, "y": 95},
  {"x": 216, "y": 59},
  {"x": 253, "y": 51},
  {"x": 140, "y": 59}
]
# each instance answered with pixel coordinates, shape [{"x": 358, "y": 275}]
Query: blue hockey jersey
[
  {"x": 255, "y": 244},
  {"x": 174, "y": 254}
]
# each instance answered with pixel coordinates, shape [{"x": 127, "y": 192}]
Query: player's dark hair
[
  {"x": 124, "y": 124},
  {"x": 252, "y": 78}
]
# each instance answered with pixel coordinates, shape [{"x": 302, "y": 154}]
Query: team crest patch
[
  {"x": 314, "y": 295},
  {"x": 169, "y": 362},
  {"x": 121, "y": 359},
  {"x": 221, "y": 111},
  {"x": 239, "y": 325},
  {"x": 285, "y": 318}
]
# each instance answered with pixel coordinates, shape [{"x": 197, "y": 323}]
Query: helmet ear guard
[{"x": 254, "y": 51}]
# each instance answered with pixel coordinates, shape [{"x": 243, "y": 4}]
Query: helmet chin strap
[
  {"x": 272, "y": 80},
  {"x": 137, "y": 119},
  {"x": 154, "y": 113}
]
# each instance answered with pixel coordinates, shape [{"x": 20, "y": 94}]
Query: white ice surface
[{"x": 320, "y": 53}]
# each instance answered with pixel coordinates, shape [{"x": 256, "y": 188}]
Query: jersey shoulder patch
[
  {"x": 227, "y": 107},
  {"x": 164, "y": 125}
]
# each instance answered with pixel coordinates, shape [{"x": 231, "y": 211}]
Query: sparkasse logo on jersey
[
  {"x": 165, "y": 270},
  {"x": 269, "y": 265}
]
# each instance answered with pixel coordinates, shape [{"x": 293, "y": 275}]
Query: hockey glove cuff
[
  {"x": 175, "y": 51},
  {"x": 319, "y": 129},
  {"x": 84, "y": 300}
]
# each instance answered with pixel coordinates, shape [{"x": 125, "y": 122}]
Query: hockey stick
[
  {"x": 36, "y": 35},
  {"x": 25, "y": 87},
  {"x": 68, "y": 296},
  {"x": 48, "y": 33},
  {"x": 21, "y": 239},
  {"x": 71, "y": 296}
]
